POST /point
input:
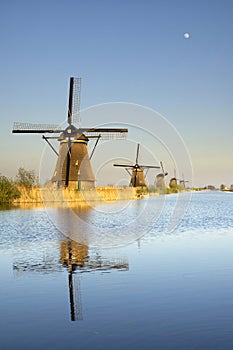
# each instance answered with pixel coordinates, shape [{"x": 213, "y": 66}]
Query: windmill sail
[
  {"x": 74, "y": 101},
  {"x": 28, "y": 128},
  {"x": 106, "y": 133}
]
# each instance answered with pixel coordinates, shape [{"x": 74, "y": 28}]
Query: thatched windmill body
[
  {"x": 137, "y": 171},
  {"x": 73, "y": 168}
]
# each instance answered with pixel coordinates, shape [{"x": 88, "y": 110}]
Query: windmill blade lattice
[
  {"x": 137, "y": 154},
  {"x": 29, "y": 128},
  {"x": 74, "y": 102},
  {"x": 149, "y": 167},
  {"x": 106, "y": 133},
  {"x": 124, "y": 165}
]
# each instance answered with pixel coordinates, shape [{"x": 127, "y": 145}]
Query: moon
[{"x": 186, "y": 35}]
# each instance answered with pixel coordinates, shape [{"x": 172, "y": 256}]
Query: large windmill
[
  {"x": 137, "y": 174},
  {"x": 73, "y": 168}
]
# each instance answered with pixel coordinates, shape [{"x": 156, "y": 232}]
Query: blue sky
[{"x": 129, "y": 51}]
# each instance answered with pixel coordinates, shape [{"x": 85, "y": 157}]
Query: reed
[{"x": 99, "y": 194}]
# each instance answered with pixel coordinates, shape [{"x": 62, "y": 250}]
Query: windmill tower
[
  {"x": 73, "y": 168},
  {"x": 137, "y": 174},
  {"x": 160, "y": 178},
  {"x": 174, "y": 182}
]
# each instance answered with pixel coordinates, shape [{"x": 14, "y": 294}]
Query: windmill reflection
[
  {"x": 77, "y": 259},
  {"x": 73, "y": 256}
]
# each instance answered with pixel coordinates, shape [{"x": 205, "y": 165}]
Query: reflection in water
[
  {"x": 115, "y": 224},
  {"x": 76, "y": 259},
  {"x": 177, "y": 294},
  {"x": 74, "y": 256}
]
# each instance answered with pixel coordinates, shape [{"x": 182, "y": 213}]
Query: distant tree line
[{"x": 10, "y": 189}]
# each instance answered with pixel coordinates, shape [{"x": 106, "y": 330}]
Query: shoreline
[
  {"x": 101, "y": 194},
  {"x": 38, "y": 197}
]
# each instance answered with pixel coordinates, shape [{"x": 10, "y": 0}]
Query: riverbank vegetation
[
  {"x": 25, "y": 188},
  {"x": 26, "y": 178},
  {"x": 11, "y": 190},
  {"x": 8, "y": 191}
]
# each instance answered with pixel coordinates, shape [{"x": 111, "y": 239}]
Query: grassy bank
[{"x": 41, "y": 195}]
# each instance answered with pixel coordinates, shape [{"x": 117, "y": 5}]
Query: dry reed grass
[{"x": 99, "y": 194}]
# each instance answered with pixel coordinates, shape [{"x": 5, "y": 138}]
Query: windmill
[
  {"x": 73, "y": 168},
  {"x": 173, "y": 181},
  {"x": 137, "y": 174},
  {"x": 183, "y": 182},
  {"x": 160, "y": 181}
]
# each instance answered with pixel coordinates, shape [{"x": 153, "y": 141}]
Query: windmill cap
[{"x": 72, "y": 131}]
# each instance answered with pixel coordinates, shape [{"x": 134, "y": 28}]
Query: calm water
[{"x": 158, "y": 288}]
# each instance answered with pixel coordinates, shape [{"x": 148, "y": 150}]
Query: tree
[
  {"x": 8, "y": 190},
  {"x": 26, "y": 178},
  {"x": 222, "y": 187}
]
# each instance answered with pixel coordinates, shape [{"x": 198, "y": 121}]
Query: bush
[
  {"x": 152, "y": 189},
  {"x": 26, "y": 178},
  {"x": 8, "y": 191},
  {"x": 170, "y": 190},
  {"x": 222, "y": 187},
  {"x": 140, "y": 191}
]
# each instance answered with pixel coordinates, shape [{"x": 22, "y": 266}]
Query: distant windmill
[
  {"x": 137, "y": 174},
  {"x": 174, "y": 181},
  {"x": 183, "y": 182},
  {"x": 160, "y": 178},
  {"x": 73, "y": 168}
]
